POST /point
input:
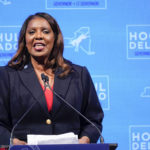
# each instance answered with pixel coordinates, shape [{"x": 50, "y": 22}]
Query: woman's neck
[{"x": 39, "y": 66}]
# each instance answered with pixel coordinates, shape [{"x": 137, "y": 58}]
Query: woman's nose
[{"x": 39, "y": 35}]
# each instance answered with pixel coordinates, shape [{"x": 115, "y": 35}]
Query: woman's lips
[{"x": 39, "y": 46}]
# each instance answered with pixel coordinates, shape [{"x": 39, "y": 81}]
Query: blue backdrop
[{"x": 110, "y": 38}]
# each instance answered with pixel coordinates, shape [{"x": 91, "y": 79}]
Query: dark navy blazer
[{"x": 19, "y": 89}]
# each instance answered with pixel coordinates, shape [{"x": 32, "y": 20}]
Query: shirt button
[{"x": 48, "y": 121}]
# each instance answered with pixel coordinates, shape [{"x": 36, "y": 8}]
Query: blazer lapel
[
  {"x": 61, "y": 86},
  {"x": 31, "y": 82}
]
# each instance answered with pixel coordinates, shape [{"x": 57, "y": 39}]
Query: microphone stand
[
  {"x": 46, "y": 84},
  {"x": 12, "y": 131}
]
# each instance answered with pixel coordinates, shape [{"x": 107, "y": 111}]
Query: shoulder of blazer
[
  {"x": 7, "y": 73},
  {"x": 83, "y": 74},
  {"x": 81, "y": 70},
  {"x": 75, "y": 67},
  {"x": 4, "y": 72}
]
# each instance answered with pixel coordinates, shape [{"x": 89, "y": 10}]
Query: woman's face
[{"x": 39, "y": 38}]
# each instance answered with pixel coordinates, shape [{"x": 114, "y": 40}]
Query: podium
[{"x": 66, "y": 147}]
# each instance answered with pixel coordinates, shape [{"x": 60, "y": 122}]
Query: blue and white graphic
[
  {"x": 138, "y": 41},
  {"x": 8, "y": 42},
  {"x": 76, "y": 4},
  {"x": 146, "y": 92},
  {"x": 101, "y": 83},
  {"x": 139, "y": 137},
  {"x": 5, "y": 2},
  {"x": 81, "y": 40},
  {"x": 112, "y": 39}
]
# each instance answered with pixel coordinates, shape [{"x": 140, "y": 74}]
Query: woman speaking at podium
[{"x": 37, "y": 81}]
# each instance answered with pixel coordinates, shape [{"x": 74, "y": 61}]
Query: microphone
[
  {"x": 46, "y": 84},
  {"x": 22, "y": 117},
  {"x": 45, "y": 80}
]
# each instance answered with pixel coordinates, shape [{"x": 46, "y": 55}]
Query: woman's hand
[
  {"x": 84, "y": 140},
  {"x": 18, "y": 142}
]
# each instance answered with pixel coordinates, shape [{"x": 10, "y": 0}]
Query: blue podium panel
[{"x": 62, "y": 147}]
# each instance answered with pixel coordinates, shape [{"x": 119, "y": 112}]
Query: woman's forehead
[{"x": 38, "y": 22}]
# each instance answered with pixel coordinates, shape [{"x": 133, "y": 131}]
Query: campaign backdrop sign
[
  {"x": 112, "y": 40},
  {"x": 76, "y": 4},
  {"x": 8, "y": 42},
  {"x": 101, "y": 83},
  {"x": 138, "y": 41},
  {"x": 139, "y": 137}
]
